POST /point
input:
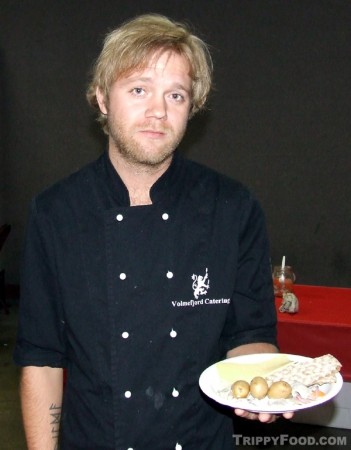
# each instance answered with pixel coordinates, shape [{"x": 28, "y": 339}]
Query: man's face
[{"x": 148, "y": 110}]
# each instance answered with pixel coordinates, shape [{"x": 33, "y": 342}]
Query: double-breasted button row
[
  {"x": 177, "y": 447},
  {"x": 123, "y": 276},
  {"x": 119, "y": 217},
  {"x": 175, "y": 393},
  {"x": 172, "y": 333}
]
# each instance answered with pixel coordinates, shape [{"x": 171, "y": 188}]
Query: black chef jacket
[{"x": 135, "y": 302}]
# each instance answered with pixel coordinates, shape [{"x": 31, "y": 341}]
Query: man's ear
[{"x": 101, "y": 100}]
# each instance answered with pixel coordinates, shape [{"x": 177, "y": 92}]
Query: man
[{"x": 142, "y": 268}]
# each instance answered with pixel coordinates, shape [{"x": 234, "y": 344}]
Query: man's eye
[
  {"x": 137, "y": 91},
  {"x": 177, "y": 97}
]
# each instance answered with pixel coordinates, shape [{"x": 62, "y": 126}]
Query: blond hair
[{"x": 130, "y": 47}]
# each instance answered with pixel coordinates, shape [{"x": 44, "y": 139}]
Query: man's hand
[{"x": 262, "y": 417}]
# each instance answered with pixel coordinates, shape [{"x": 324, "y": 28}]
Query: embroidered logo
[{"x": 200, "y": 284}]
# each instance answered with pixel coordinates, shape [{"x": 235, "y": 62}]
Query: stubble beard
[{"x": 141, "y": 155}]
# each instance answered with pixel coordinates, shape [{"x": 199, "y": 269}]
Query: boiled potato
[
  {"x": 279, "y": 389},
  {"x": 240, "y": 389},
  {"x": 258, "y": 387}
]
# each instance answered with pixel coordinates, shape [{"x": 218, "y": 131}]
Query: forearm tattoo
[{"x": 55, "y": 417}]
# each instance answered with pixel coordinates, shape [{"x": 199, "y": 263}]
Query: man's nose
[{"x": 157, "y": 107}]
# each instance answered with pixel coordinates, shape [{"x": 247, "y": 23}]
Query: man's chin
[
  {"x": 153, "y": 160},
  {"x": 149, "y": 157}
]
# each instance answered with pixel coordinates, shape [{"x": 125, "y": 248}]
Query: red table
[{"x": 322, "y": 325}]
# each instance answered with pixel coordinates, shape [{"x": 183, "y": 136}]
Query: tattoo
[{"x": 55, "y": 413}]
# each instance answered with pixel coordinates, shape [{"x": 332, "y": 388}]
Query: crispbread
[{"x": 317, "y": 371}]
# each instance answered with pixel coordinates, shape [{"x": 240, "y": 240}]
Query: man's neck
[{"x": 138, "y": 178}]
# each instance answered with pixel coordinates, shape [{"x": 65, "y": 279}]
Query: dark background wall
[{"x": 279, "y": 117}]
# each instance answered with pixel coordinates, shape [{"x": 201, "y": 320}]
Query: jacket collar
[{"x": 167, "y": 186}]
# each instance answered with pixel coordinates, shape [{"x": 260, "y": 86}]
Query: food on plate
[
  {"x": 221, "y": 381},
  {"x": 232, "y": 371},
  {"x": 316, "y": 371},
  {"x": 279, "y": 389},
  {"x": 304, "y": 394},
  {"x": 240, "y": 389},
  {"x": 278, "y": 378},
  {"x": 258, "y": 387}
]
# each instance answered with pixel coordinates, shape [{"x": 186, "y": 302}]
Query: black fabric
[{"x": 137, "y": 301}]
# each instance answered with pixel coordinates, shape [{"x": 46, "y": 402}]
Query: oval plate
[{"x": 217, "y": 389}]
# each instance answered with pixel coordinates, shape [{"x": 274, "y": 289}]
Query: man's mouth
[{"x": 153, "y": 134}]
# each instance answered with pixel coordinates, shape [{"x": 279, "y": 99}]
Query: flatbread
[{"x": 317, "y": 371}]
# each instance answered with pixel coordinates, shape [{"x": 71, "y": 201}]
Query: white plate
[{"x": 217, "y": 389}]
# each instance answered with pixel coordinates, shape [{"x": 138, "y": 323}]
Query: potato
[
  {"x": 240, "y": 389},
  {"x": 258, "y": 387},
  {"x": 279, "y": 389}
]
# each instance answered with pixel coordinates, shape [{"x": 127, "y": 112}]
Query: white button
[
  {"x": 129, "y": 448},
  {"x": 165, "y": 216},
  {"x": 122, "y": 276},
  {"x": 175, "y": 393},
  {"x": 173, "y": 333},
  {"x": 169, "y": 274},
  {"x": 178, "y": 447},
  {"x": 125, "y": 335},
  {"x": 127, "y": 394},
  {"x": 119, "y": 217}
]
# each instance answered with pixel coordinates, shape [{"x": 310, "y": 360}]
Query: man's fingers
[{"x": 262, "y": 417}]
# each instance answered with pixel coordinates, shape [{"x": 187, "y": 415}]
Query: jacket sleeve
[
  {"x": 40, "y": 338},
  {"x": 252, "y": 315}
]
